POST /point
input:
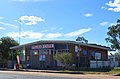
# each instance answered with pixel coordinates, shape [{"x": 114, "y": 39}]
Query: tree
[
  {"x": 6, "y": 43},
  {"x": 114, "y": 35},
  {"x": 64, "y": 57},
  {"x": 117, "y": 57},
  {"x": 82, "y": 40}
]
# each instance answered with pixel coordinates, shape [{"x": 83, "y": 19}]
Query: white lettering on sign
[{"x": 43, "y": 46}]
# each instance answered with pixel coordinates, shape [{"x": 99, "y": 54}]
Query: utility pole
[{"x": 20, "y": 24}]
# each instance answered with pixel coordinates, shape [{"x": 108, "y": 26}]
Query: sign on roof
[{"x": 43, "y": 46}]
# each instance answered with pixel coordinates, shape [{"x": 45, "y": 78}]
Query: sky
[{"x": 36, "y": 20}]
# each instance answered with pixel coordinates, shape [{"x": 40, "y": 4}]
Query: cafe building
[{"x": 40, "y": 54}]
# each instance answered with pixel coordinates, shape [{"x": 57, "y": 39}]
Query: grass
[{"x": 115, "y": 71}]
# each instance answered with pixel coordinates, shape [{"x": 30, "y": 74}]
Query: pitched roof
[{"x": 61, "y": 41}]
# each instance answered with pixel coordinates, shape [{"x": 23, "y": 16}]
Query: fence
[{"x": 101, "y": 64}]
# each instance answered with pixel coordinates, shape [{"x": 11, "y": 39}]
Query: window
[
  {"x": 67, "y": 50},
  {"x": 45, "y": 51},
  {"x": 93, "y": 55},
  {"x": 63, "y": 50},
  {"x": 41, "y": 57},
  {"x": 59, "y": 51},
  {"x": 84, "y": 52},
  {"x": 35, "y": 52},
  {"x": 97, "y": 55}
]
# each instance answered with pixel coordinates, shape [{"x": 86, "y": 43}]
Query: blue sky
[{"x": 58, "y": 19}]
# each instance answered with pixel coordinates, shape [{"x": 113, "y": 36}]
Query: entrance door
[
  {"x": 49, "y": 58},
  {"x": 42, "y": 59},
  {"x": 46, "y": 58}
]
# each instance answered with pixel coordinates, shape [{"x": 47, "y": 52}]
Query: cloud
[
  {"x": 88, "y": 14},
  {"x": 13, "y": 34},
  {"x": 40, "y": 35},
  {"x": 68, "y": 35},
  {"x": 103, "y": 7},
  {"x": 114, "y": 6},
  {"x": 45, "y": 30},
  {"x": 111, "y": 24},
  {"x": 1, "y": 28},
  {"x": 104, "y": 23},
  {"x": 1, "y": 17},
  {"x": 107, "y": 24},
  {"x": 53, "y": 35},
  {"x": 78, "y": 32},
  {"x": 30, "y": 20},
  {"x": 30, "y": 0},
  {"x": 8, "y": 24},
  {"x": 26, "y": 35},
  {"x": 53, "y": 29}
]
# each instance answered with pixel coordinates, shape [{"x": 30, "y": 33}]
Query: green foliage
[
  {"x": 117, "y": 56},
  {"x": 116, "y": 71},
  {"x": 114, "y": 35},
  {"x": 65, "y": 58},
  {"x": 82, "y": 40},
  {"x": 6, "y": 43},
  {"x": 16, "y": 52}
]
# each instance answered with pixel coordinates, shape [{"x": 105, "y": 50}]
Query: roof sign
[{"x": 44, "y": 46}]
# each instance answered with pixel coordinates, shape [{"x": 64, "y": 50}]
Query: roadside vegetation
[
  {"x": 5, "y": 52},
  {"x": 114, "y": 36},
  {"x": 64, "y": 58},
  {"x": 108, "y": 71}
]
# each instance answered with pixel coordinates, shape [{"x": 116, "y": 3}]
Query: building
[{"x": 40, "y": 54}]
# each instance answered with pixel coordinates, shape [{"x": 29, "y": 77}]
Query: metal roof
[
  {"x": 42, "y": 41},
  {"x": 62, "y": 41}
]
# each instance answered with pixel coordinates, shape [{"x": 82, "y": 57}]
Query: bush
[{"x": 64, "y": 57}]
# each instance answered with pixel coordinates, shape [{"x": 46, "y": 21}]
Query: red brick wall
[{"x": 104, "y": 53}]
